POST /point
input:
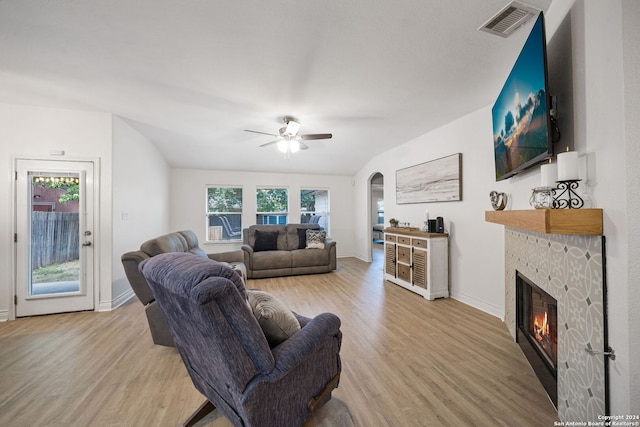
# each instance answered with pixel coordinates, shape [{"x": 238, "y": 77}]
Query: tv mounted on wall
[{"x": 522, "y": 132}]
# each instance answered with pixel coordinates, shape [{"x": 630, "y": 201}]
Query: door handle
[{"x": 86, "y": 244}]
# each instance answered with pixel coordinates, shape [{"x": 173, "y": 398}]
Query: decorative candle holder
[
  {"x": 542, "y": 198},
  {"x": 568, "y": 198}
]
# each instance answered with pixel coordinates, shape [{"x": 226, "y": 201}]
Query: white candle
[
  {"x": 426, "y": 215},
  {"x": 549, "y": 173},
  {"x": 568, "y": 166}
]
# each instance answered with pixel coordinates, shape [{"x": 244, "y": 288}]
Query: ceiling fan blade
[
  {"x": 261, "y": 133},
  {"x": 270, "y": 143},
  {"x": 316, "y": 136}
]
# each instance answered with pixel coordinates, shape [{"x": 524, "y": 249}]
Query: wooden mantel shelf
[{"x": 551, "y": 221}]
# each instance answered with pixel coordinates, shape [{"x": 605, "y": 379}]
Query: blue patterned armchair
[{"x": 227, "y": 354}]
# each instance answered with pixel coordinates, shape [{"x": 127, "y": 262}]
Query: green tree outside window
[
  {"x": 221, "y": 199},
  {"x": 70, "y": 186},
  {"x": 272, "y": 199}
]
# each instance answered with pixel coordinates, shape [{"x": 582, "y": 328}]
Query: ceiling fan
[{"x": 288, "y": 139}]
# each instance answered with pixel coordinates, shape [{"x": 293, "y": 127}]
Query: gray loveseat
[
  {"x": 181, "y": 241},
  {"x": 289, "y": 255}
]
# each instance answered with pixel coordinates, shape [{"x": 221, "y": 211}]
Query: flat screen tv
[{"x": 521, "y": 116}]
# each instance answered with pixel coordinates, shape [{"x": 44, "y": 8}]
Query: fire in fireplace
[
  {"x": 542, "y": 326},
  {"x": 537, "y": 332}
]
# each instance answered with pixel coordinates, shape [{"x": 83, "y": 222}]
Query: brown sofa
[
  {"x": 289, "y": 257},
  {"x": 181, "y": 241}
]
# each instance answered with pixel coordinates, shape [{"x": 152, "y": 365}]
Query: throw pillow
[
  {"x": 302, "y": 238},
  {"x": 315, "y": 239},
  {"x": 266, "y": 241},
  {"x": 277, "y": 322}
]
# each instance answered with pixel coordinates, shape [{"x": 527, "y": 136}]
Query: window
[
  {"x": 224, "y": 214},
  {"x": 273, "y": 205},
  {"x": 314, "y": 207},
  {"x": 380, "y": 204}
]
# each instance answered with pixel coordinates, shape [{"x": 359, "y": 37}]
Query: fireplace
[
  {"x": 537, "y": 332},
  {"x": 570, "y": 268}
]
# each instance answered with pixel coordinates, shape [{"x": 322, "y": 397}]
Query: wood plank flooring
[{"x": 406, "y": 362}]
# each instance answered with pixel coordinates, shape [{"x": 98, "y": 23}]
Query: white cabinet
[{"x": 417, "y": 261}]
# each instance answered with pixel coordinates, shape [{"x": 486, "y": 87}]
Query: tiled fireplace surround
[{"x": 570, "y": 269}]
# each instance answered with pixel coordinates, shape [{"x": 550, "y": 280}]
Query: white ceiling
[{"x": 191, "y": 75}]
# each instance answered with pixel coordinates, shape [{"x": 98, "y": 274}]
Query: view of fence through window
[
  {"x": 224, "y": 213},
  {"x": 55, "y": 228},
  {"x": 272, "y": 205}
]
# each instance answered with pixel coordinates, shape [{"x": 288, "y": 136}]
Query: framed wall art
[{"x": 434, "y": 181}]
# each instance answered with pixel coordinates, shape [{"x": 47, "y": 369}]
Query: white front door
[{"x": 54, "y": 236}]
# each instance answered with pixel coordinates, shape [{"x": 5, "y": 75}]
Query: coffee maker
[{"x": 435, "y": 225}]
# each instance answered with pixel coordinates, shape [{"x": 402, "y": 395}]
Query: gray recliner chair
[
  {"x": 227, "y": 354},
  {"x": 181, "y": 241}
]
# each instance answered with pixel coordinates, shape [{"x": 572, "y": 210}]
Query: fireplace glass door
[{"x": 537, "y": 332}]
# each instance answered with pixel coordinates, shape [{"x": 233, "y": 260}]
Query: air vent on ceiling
[{"x": 509, "y": 19}]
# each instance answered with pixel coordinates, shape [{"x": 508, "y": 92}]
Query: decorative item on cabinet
[{"x": 426, "y": 220}]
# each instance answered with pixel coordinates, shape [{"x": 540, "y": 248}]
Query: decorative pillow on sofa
[
  {"x": 277, "y": 322},
  {"x": 302, "y": 238},
  {"x": 315, "y": 239},
  {"x": 266, "y": 241}
]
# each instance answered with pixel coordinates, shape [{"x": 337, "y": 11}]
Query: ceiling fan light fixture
[
  {"x": 283, "y": 145},
  {"x": 292, "y": 127},
  {"x": 287, "y": 140}
]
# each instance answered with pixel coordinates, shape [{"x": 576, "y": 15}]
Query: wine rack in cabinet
[{"x": 417, "y": 261}]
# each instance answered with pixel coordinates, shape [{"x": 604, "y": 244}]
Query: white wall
[
  {"x": 600, "y": 136},
  {"x": 31, "y": 132},
  {"x": 140, "y": 199},
  {"x": 476, "y": 247},
  {"x": 188, "y": 201},
  {"x": 631, "y": 61},
  {"x": 608, "y": 146}
]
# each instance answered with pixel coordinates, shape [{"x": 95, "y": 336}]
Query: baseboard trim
[
  {"x": 117, "y": 302},
  {"x": 480, "y": 305}
]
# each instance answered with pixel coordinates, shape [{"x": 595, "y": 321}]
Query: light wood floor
[{"x": 406, "y": 362}]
